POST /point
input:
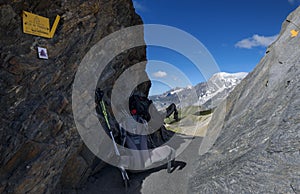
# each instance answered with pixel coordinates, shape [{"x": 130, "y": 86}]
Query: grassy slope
[{"x": 192, "y": 121}]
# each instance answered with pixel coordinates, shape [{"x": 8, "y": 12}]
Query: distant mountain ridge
[{"x": 209, "y": 93}]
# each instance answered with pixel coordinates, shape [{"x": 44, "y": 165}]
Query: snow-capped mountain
[{"x": 207, "y": 94}]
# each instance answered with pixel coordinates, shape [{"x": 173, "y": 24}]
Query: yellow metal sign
[{"x": 38, "y": 25}]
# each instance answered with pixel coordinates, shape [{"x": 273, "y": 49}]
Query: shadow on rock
[{"x": 109, "y": 180}]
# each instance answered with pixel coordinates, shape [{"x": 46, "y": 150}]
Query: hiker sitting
[{"x": 142, "y": 104}]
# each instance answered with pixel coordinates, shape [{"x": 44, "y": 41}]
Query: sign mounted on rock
[{"x": 38, "y": 25}]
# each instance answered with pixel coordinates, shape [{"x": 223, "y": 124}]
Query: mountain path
[{"x": 109, "y": 180}]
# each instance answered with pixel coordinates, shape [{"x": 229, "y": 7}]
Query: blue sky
[{"x": 235, "y": 32}]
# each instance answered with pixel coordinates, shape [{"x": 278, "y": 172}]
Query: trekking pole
[
  {"x": 99, "y": 97},
  {"x": 108, "y": 125}
]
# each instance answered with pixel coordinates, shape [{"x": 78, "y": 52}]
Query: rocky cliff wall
[
  {"x": 258, "y": 148},
  {"x": 40, "y": 149}
]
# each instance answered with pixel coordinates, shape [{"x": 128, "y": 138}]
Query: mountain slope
[{"x": 257, "y": 128}]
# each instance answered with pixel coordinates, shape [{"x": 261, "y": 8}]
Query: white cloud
[
  {"x": 255, "y": 41},
  {"x": 138, "y": 6},
  {"x": 160, "y": 74},
  {"x": 175, "y": 78}
]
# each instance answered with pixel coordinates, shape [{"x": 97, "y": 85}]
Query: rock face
[
  {"x": 258, "y": 148},
  {"x": 40, "y": 149}
]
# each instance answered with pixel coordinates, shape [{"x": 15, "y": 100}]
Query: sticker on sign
[{"x": 42, "y": 52}]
